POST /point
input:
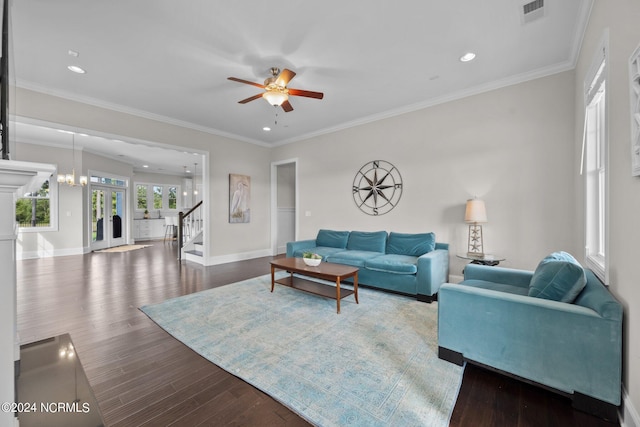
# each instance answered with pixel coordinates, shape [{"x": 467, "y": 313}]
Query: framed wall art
[{"x": 239, "y": 198}]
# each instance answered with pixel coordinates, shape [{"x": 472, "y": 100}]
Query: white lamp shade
[
  {"x": 475, "y": 212},
  {"x": 275, "y": 97}
]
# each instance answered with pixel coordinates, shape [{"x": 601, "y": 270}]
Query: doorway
[
  {"x": 108, "y": 217},
  {"x": 284, "y": 204}
]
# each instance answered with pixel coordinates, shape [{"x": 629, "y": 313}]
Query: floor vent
[{"x": 532, "y": 10}]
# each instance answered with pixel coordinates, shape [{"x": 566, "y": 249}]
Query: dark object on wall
[{"x": 4, "y": 82}]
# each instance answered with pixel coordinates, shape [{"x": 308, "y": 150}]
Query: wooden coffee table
[{"x": 326, "y": 271}]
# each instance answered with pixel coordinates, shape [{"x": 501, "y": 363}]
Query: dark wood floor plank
[{"x": 143, "y": 376}]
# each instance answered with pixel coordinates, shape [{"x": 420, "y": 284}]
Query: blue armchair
[{"x": 575, "y": 348}]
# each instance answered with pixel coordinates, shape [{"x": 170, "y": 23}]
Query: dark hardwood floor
[{"x": 142, "y": 376}]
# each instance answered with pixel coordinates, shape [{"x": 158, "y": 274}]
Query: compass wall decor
[{"x": 377, "y": 187}]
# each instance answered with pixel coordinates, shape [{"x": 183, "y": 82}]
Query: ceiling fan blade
[
  {"x": 286, "y": 106},
  {"x": 285, "y": 77},
  {"x": 235, "y": 79},
  {"x": 254, "y": 97},
  {"x": 307, "y": 93}
]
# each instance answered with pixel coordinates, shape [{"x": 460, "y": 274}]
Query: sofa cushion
[
  {"x": 558, "y": 277},
  {"x": 373, "y": 241},
  {"x": 395, "y": 264},
  {"x": 410, "y": 244},
  {"x": 332, "y": 238},
  {"x": 323, "y": 251},
  {"x": 353, "y": 258}
]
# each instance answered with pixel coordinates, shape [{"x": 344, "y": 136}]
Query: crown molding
[
  {"x": 475, "y": 90},
  {"x": 134, "y": 112}
]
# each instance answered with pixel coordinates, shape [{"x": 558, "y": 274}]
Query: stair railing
[{"x": 189, "y": 225}]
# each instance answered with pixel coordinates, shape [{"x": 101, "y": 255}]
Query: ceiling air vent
[{"x": 532, "y": 10}]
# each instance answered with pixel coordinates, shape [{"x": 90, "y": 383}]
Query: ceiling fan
[{"x": 276, "y": 91}]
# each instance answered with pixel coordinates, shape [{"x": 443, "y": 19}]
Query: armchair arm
[
  {"x": 300, "y": 244},
  {"x": 508, "y": 276},
  {"x": 433, "y": 270},
  {"x": 564, "y": 346}
]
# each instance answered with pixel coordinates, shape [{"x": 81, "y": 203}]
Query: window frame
[
  {"x": 596, "y": 169},
  {"x": 150, "y": 193},
  {"x": 53, "y": 209}
]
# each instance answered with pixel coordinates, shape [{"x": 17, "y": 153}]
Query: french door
[{"x": 107, "y": 217}]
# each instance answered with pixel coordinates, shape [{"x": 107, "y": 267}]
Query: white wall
[
  {"x": 223, "y": 241},
  {"x": 513, "y": 147},
  {"x": 621, "y": 20},
  {"x": 68, "y": 240}
]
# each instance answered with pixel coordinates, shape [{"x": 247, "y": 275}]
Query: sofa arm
[
  {"x": 300, "y": 244},
  {"x": 508, "y": 276},
  {"x": 564, "y": 346},
  {"x": 433, "y": 270}
]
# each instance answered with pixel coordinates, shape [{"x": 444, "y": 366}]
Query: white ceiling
[{"x": 170, "y": 60}]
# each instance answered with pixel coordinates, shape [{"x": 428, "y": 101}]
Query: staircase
[
  {"x": 195, "y": 254},
  {"x": 190, "y": 235}
]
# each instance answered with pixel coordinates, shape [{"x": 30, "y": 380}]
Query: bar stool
[{"x": 170, "y": 222}]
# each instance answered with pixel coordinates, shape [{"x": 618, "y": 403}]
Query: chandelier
[{"x": 70, "y": 178}]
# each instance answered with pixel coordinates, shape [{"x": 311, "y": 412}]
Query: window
[
  {"x": 156, "y": 197},
  {"x": 595, "y": 167},
  {"x": 173, "y": 197},
  {"x": 141, "y": 197},
  {"x": 37, "y": 211}
]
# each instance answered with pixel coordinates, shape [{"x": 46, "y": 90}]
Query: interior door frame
[
  {"x": 108, "y": 241},
  {"x": 274, "y": 202}
]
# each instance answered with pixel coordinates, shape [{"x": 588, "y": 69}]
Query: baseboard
[
  {"x": 629, "y": 416},
  {"x": 44, "y": 253},
  {"x": 223, "y": 259}
]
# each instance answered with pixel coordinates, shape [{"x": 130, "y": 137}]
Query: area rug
[
  {"x": 374, "y": 364},
  {"x": 124, "y": 248}
]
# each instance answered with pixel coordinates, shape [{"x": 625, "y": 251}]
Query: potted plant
[{"x": 146, "y": 214}]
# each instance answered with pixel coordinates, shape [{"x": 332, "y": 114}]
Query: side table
[{"x": 486, "y": 259}]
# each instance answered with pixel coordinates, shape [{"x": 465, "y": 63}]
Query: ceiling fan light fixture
[
  {"x": 275, "y": 97},
  {"x": 76, "y": 69},
  {"x": 467, "y": 57}
]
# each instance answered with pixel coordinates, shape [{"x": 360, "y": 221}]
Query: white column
[{"x": 16, "y": 178}]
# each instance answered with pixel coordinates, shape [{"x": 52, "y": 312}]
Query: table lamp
[{"x": 474, "y": 215}]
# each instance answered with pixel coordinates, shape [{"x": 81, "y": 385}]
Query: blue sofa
[
  {"x": 410, "y": 264},
  {"x": 557, "y": 326}
]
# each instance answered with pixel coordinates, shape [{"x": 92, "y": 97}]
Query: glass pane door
[
  {"x": 117, "y": 217},
  {"x": 97, "y": 217},
  {"x": 108, "y": 222}
]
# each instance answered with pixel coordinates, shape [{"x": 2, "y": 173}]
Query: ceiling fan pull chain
[{"x": 275, "y": 121}]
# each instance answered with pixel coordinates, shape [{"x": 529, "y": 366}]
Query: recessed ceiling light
[
  {"x": 469, "y": 56},
  {"x": 266, "y": 128},
  {"x": 76, "y": 69},
  {"x": 145, "y": 166}
]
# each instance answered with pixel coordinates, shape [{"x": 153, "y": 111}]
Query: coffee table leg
[
  {"x": 272, "y": 277},
  {"x": 355, "y": 287},
  {"x": 338, "y": 294}
]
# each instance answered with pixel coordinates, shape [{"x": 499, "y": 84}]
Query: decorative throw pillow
[
  {"x": 411, "y": 244},
  {"x": 332, "y": 238},
  {"x": 373, "y": 241},
  {"x": 558, "y": 277}
]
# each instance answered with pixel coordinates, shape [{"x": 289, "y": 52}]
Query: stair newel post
[{"x": 179, "y": 237}]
